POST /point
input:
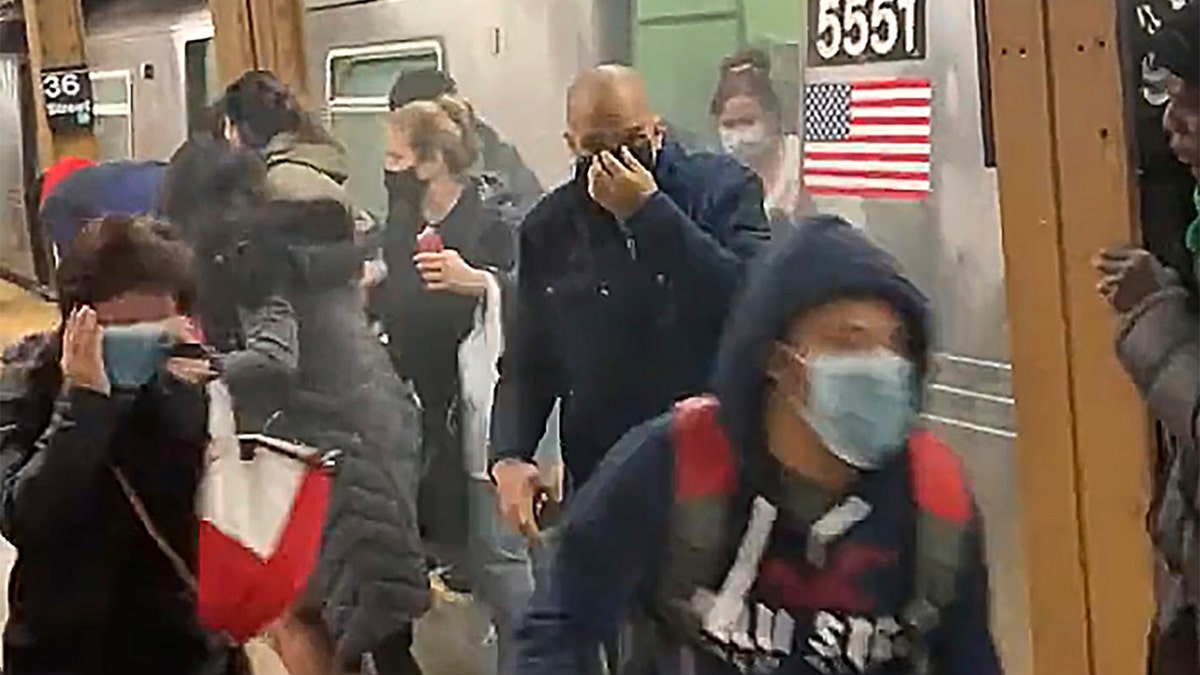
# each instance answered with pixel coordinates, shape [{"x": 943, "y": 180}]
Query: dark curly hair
[
  {"x": 746, "y": 73},
  {"x": 121, "y": 254},
  {"x": 261, "y": 107}
]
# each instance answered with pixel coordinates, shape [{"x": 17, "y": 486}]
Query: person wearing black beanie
[{"x": 797, "y": 520}]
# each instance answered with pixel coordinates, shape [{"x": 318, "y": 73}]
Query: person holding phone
[{"x": 103, "y": 430}]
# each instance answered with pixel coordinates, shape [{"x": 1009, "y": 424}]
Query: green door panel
[
  {"x": 680, "y": 62},
  {"x": 774, "y": 21},
  {"x": 658, "y": 9}
]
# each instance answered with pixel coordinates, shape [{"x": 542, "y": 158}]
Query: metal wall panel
[
  {"x": 15, "y": 251},
  {"x": 130, "y": 38},
  {"x": 512, "y": 60}
]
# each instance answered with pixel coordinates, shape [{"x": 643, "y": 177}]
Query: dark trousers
[{"x": 395, "y": 657}]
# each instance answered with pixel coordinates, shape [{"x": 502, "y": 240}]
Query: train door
[{"x": 886, "y": 97}]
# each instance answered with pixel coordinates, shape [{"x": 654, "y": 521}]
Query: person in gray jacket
[
  {"x": 1158, "y": 343},
  {"x": 280, "y": 276}
]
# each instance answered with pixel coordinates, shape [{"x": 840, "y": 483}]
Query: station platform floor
[{"x": 22, "y": 312}]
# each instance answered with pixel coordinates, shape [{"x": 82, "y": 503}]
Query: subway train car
[{"x": 935, "y": 204}]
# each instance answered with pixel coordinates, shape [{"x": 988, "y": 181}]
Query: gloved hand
[{"x": 1129, "y": 275}]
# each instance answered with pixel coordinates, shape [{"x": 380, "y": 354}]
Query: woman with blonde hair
[{"x": 449, "y": 247}]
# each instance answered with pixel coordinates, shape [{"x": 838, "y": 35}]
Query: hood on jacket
[
  {"x": 307, "y": 246},
  {"x": 326, "y": 157},
  {"x": 823, "y": 260}
]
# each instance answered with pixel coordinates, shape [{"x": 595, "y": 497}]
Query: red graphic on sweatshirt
[{"x": 802, "y": 587}]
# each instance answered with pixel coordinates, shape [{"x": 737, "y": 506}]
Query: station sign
[
  {"x": 67, "y": 94},
  {"x": 847, "y": 32}
]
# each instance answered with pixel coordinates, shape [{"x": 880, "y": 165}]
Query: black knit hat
[
  {"x": 1176, "y": 46},
  {"x": 420, "y": 85}
]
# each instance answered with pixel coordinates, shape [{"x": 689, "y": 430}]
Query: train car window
[
  {"x": 357, "y": 83},
  {"x": 113, "y": 93}
]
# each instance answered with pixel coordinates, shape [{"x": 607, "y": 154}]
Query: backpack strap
[
  {"x": 704, "y": 463},
  {"x": 943, "y": 517},
  {"x": 273, "y": 162},
  {"x": 704, "y": 484}
]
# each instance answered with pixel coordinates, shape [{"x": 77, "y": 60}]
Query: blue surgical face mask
[
  {"x": 134, "y": 352},
  {"x": 862, "y": 405}
]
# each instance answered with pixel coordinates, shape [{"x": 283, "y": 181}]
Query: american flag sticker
[{"x": 868, "y": 139}]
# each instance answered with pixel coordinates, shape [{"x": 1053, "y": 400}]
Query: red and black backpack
[{"x": 706, "y": 485}]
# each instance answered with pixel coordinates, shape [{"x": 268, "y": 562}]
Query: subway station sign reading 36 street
[
  {"x": 843, "y": 32},
  {"x": 67, "y": 94}
]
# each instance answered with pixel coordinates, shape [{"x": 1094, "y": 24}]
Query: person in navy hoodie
[{"x": 797, "y": 521}]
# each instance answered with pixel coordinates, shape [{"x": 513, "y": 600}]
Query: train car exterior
[{"x": 514, "y": 59}]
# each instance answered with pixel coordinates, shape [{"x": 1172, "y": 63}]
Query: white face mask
[{"x": 746, "y": 143}]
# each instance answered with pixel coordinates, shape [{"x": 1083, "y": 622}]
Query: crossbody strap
[{"x": 181, "y": 568}]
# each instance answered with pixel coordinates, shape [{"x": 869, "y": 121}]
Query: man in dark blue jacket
[
  {"x": 797, "y": 522},
  {"x": 626, "y": 273}
]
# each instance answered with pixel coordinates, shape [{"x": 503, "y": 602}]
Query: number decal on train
[{"x": 842, "y": 32}]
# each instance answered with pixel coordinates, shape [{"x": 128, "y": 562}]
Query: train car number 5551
[{"x": 843, "y": 32}]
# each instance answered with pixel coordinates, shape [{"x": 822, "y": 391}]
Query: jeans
[{"x": 503, "y": 568}]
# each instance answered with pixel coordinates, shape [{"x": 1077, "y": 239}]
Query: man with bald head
[{"x": 626, "y": 273}]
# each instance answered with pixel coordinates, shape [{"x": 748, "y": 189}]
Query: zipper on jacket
[{"x": 630, "y": 242}]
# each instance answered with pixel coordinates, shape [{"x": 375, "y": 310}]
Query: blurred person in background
[
  {"x": 497, "y": 161},
  {"x": 748, "y": 114},
  {"x": 1158, "y": 344},
  {"x": 102, "y": 444},
  {"x": 74, "y": 191},
  {"x": 450, "y": 246},
  {"x": 294, "y": 249}
]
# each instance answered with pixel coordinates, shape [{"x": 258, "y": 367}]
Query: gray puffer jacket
[
  {"x": 1158, "y": 342},
  {"x": 371, "y": 579},
  {"x": 288, "y": 315}
]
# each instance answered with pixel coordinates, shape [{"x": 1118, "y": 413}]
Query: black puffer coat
[{"x": 290, "y": 311}]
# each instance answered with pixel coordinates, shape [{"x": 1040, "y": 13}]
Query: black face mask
[
  {"x": 642, "y": 151},
  {"x": 404, "y": 186}
]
